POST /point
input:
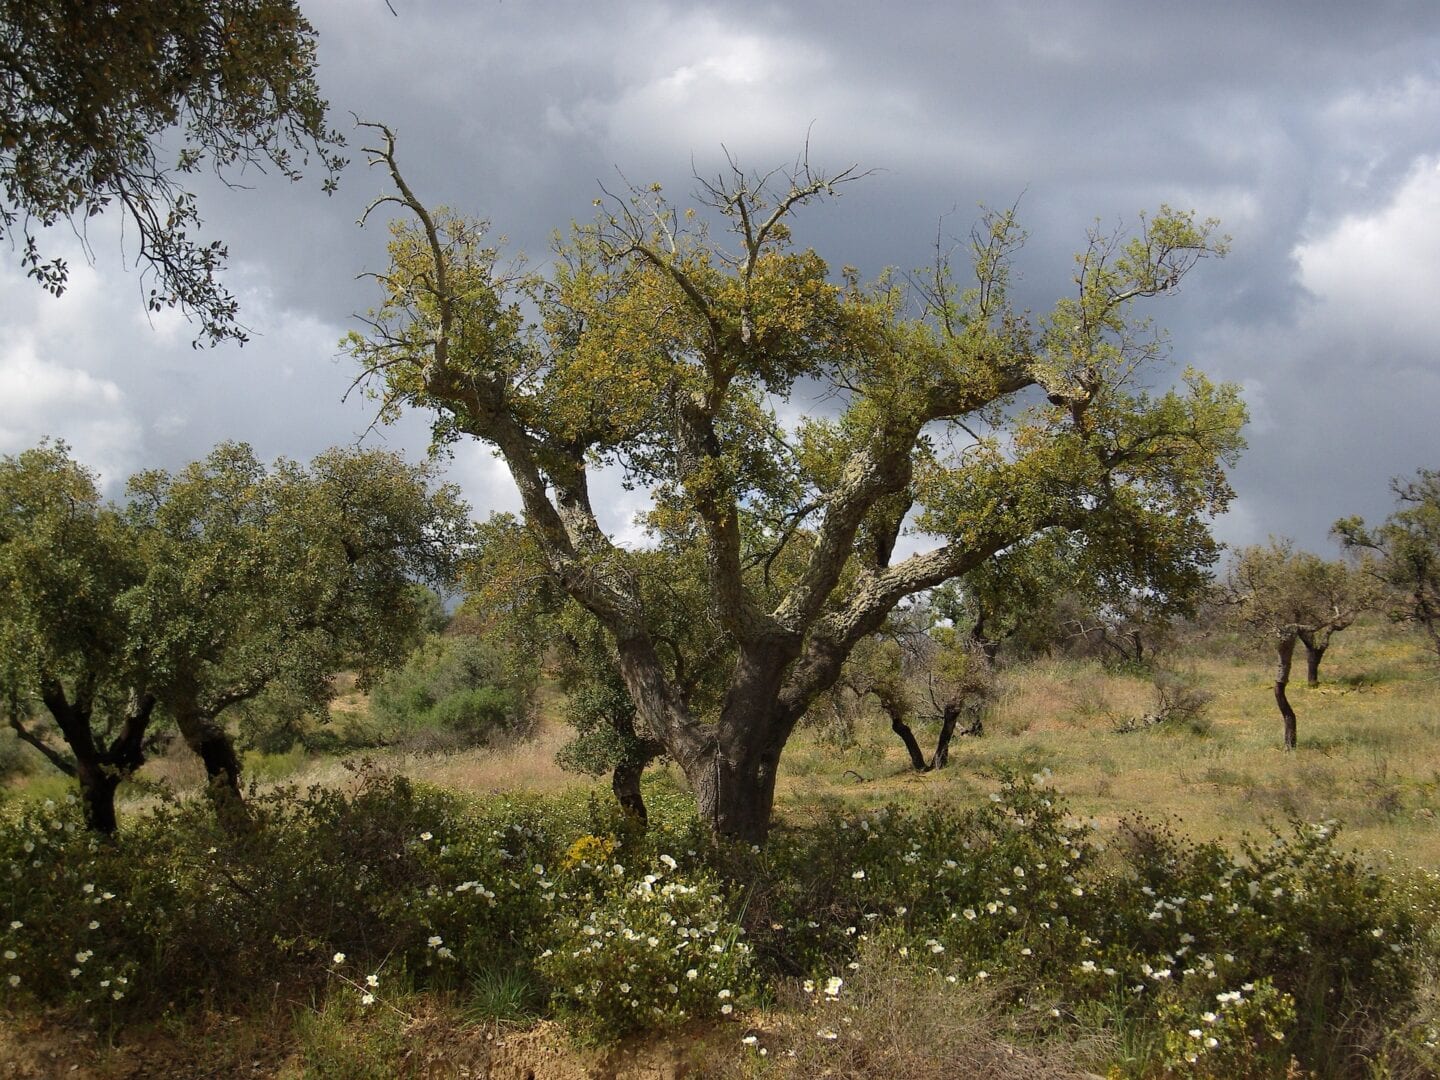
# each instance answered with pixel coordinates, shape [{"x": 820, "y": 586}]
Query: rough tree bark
[
  {"x": 1285, "y": 647},
  {"x": 98, "y": 769},
  {"x": 1315, "y": 646}
]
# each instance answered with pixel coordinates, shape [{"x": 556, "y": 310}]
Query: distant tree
[
  {"x": 1055, "y": 591},
  {"x": 920, "y": 665},
  {"x": 209, "y": 588},
  {"x": 1403, "y": 554},
  {"x": 88, "y": 90},
  {"x": 658, "y": 348},
  {"x": 1283, "y": 596}
]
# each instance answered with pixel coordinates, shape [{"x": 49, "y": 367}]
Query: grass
[
  {"x": 1368, "y": 755},
  {"x": 1369, "y": 751}
]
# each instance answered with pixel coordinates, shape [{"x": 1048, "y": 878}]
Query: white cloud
[
  {"x": 1375, "y": 276},
  {"x": 41, "y": 399}
]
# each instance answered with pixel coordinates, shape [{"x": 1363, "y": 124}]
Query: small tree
[
  {"x": 66, "y": 559},
  {"x": 208, "y": 589},
  {"x": 1282, "y": 596},
  {"x": 921, "y": 664},
  {"x": 660, "y": 350},
  {"x": 87, "y": 91},
  {"x": 1403, "y": 555}
]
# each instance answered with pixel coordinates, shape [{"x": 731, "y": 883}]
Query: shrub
[
  {"x": 462, "y": 690},
  {"x": 652, "y": 952}
]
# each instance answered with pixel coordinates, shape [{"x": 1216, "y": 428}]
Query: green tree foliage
[
  {"x": 661, "y": 350},
  {"x": 66, "y": 559},
  {"x": 88, "y": 90},
  {"x": 1282, "y": 596},
  {"x": 458, "y": 690},
  {"x": 1057, "y": 589},
  {"x": 1403, "y": 554},
  {"x": 209, "y": 588}
]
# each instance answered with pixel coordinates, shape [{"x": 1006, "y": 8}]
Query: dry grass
[
  {"x": 893, "y": 1021},
  {"x": 1368, "y": 757}
]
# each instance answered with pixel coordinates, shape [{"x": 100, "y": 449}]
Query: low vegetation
[{"x": 1010, "y": 915}]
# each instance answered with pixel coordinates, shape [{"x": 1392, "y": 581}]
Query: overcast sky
[{"x": 1311, "y": 129}]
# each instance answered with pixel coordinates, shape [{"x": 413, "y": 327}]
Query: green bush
[
  {"x": 1288, "y": 947},
  {"x": 461, "y": 690},
  {"x": 651, "y": 952}
]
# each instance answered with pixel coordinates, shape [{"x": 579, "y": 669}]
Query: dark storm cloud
[{"x": 1309, "y": 128}]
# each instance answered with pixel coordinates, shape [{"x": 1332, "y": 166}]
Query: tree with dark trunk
[
  {"x": 1282, "y": 596},
  {"x": 207, "y": 590},
  {"x": 662, "y": 353}
]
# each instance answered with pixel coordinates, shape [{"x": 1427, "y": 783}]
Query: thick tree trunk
[
  {"x": 97, "y": 795},
  {"x": 735, "y": 789},
  {"x": 1286, "y": 650},
  {"x": 1313, "y": 655},
  {"x": 625, "y": 782},
  {"x": 209, "y": 739}
]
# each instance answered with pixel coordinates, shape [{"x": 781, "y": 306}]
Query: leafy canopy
[
  {"x": 209, "y": 587},
  {"x": 655, "y": 346},
  {"x": 88, "y": 91}
]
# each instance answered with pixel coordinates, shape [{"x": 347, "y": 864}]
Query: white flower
[
  {"x": 969, "y": 913},
  {"x": 858, "y": 875},
  {"x": 749, "y": 1040},
  {"x": 692, "y": 974},
  {"x": 338, "y": 958},
  {"x": 367, "y": 999},
  {"x": 727, "y": 1008},
  {"x": 833, "y": 984},
  {"x": 722, "y": 994},
  {"x": 427, "y": 836},
  {"x": 1195, "y": 1033},
  {"x": 94, "y": 924},
  {"x": 668, "y": 861},
  {"x": 1212, "y": 1042},
  {"x": 14, "y": 980},
  {"x": 826, "y": 1033},
  {"x": 372, "y": 980},
  {"x": 16, "y": 924},
  {"x": 436, "y": 941},
  {"x": 809, "y": 986},
  {"x": 9, "y": 954},
  {"x": 624, "y": 988}
]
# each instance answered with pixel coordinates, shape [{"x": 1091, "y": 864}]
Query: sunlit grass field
[{"x": 1368, "y": 756}]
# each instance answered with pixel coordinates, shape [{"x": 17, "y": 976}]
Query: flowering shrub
[
  {"x": 657, "y": 951},
  {"x": 1242, "y": 1033},
  {"x": 396, "y": 885},
  {"x": 64, "y": 926}
]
